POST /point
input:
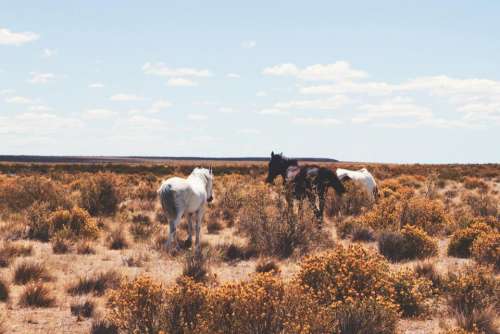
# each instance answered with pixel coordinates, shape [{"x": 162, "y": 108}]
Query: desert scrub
[
  {"x": 274, "y": 228},
  {"x": 36, "y": 295},
  {"x": 354, "y": 202},
  {"x": 471, "y": 291},
  {"x": 343, "y": 273},
  {"x": 10, "y": 250},
  {"x": 74, "y": 223},
  {"x": 20, "y": 193},
  {"x": 410, "y": 243},
  {"x": 461, "y": 241},
  {"x": 393, "y": 213},
  {"x": 230, "y": 197},
  {"x": 412, "y": 294},
  {"x": 28, "y": 271},
  {"x": 99, "y": 195},
  {"x": 146, "y": 306},
  {"x": 486, "y": 249},
  {"x": 4, "y": 291}
]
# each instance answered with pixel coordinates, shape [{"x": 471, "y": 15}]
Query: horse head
[{"x": 276, "y": 167}]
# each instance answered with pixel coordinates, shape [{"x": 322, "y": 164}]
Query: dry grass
[
  {"x": 96, "y": 284},
  {"x": 36, "y": 295},
  {"x": 29, "y": 271},
  {"x": 248, "y": 228}
]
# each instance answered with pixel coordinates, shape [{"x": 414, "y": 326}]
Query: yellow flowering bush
[
  {"x": 75, "y": 222},
  {"x": 412, "y": 294},
  {"x": 346, "y": 273},
  {"x": 461, "y": 241},
  {"x": 486, "y": 249},
  {"x": 146, "y": 306},
  {"x": 473, "y": 288},
  {"x": 254, "y": 306},
  {"x": 392, "y": 213}
]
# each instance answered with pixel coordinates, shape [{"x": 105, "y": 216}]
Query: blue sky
[{"x": 385, "y": 81}]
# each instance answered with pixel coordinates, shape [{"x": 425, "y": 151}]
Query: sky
[{"x": 375, "y": 81}]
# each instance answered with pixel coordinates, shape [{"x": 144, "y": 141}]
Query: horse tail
[{"x": 167, "y": 199}]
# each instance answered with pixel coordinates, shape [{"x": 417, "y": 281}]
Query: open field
[{"x": 82, "y": 244}]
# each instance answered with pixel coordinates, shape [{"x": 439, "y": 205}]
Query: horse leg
[
  {"x": 173, "y": 226},
  {"x": 312, "y": 200},
  {"x": 189, "y": 240},
  {"x": 199, "y": 217},
  {"x": 321, "y": 205}
]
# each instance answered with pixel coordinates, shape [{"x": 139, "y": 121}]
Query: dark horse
[{"x": 309, "y": 182}]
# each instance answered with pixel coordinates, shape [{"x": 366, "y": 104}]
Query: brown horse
[{"x": 311, "y": 182}]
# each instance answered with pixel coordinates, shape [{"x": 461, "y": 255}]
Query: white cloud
[
  {"x": 33, "y": 124},
  {"x": 47, "y": 53},
  {"x": 7, "y": 92},
  {"x": 261, "y": 93},
  {"x": 18, "y": 100},
  {"x": 126, "y": 97},
  {"x": 338, "y": 71},
  {"x": 41, "y": 78},
  {"x": 324, "y": 104},
  {"x": 160, "y": 105},
  {"x": 197, "y": 117},
  {"x": 233, "y": 75},
  {"x": 248, "y": 44},
  {"x": 8, "y": 37},
  {"x": 249, "y": 131},
  {"x": 96, "y": 85},
  {"x": 162, "y": 70},
  {"x": 227, "y": 110},
  {"x": 345, "y": 87},
  {"x": 181, "y": 82},
  {"x": 316, "y": 121},
  {"x": 40, "y": 108},
  {"x": 393, "y": 108},
  {"x": 99, "y": 114},
  {"x": 273, "y": 111}
]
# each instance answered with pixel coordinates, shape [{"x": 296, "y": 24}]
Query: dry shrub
[
  {"x": 117, "y": 239},
  {"x": 9, "y": 250},
  {"x": 267, "y": 266},
  {"x": 60, "y": 245},
  {"x": 28, "y": 271},
  {"x": 99, "y": 195},
  {"x": 230, "y": 198},
  {"x": 471, "y": 291},
  {"x": 20, "y": 193},
  {"x": 412, "y": 294},
  {"x": 96, "y": 283},
  {"x": 146, "y": 306},
  {"x": 83, "y": 309},
  {"x": 362, "y": 233},
  {"x": 135, "y": 260},
  {"x": 484, "y": 321},
  {"x": 254, "y": 306},
  {"x": 75, "y": 224},
  {"x": 142, "y": 229},
  {"x": 354, "y": 201},
  {"x": 145, "y": 191},
  {"x": 103, "y": 326},
  {"x": 230, "y": 252},
  {"x": 274, "y": 228},
  {"x": 486, "y": 249},
  {"x": 392, "y": 213},
  {"x": 353, "y": 272},
  {"x": 410, "y": 243},
  {"x": 427, "y": 269},
  {"x": 481, "y": 204},
  {"x": 85, "y": 248},
  {"x": 475, "y": 183},
  {"x": 36, "y": 295},
  {"x": 38, "y": 222},
  {"x": 461, "y": 241},
  {"x": 214, "y": 226},
  {"x": 4, "y": 291},
  {"x": 367, "y": 316},
  {"x": 196, "y": 267}
]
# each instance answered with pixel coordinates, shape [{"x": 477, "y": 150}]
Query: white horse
[
  {"x": 179, "y": 196},
  {"x": 362, "y": 177}
]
